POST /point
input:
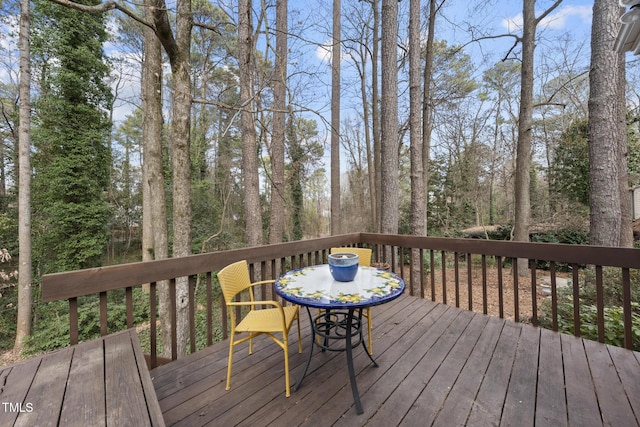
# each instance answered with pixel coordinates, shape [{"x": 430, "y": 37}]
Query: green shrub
[
  {"x": 613, "y": 324},
  {"x": 613, "y": 312},
  {"x": 51, "y": 330}
]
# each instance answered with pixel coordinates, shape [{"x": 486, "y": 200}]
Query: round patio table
[{"x": 314, "y": 287}]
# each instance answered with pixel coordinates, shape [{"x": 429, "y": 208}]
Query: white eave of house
[{"x": 628, "y": 38}]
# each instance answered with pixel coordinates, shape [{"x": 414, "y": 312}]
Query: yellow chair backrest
[
  {"x": 364, "y": 254},
  {"x": 234, "y": 278}
]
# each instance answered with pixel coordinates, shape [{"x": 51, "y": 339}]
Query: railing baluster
[
  {"x": 444, "y": 276},
  {"x": 516, "y": 290},
  {"x": 73, "y": 320},
  {"x": 576, "y": 300},
  {"x": 128, "y": 296},
  {"x": 104, "y": 326},
  {"x": 432, "y": 274},
  {"x": 469, "y": 283},
  {"x": 485, "y": 298},
  {"x": 422, "y": 275},
  {"x": 411, "y": 282},
  {"x": 626, "y": 308},
  {"x": 225, "y": 319},
  {"x": 456, "y": 273},
  {"x": 600, "y": 303},
  {"x": 534, "y": 294},
  {"x": 554, "y": 296},
  {"x": 500, "y": 288},
  {"x": 174, "y": 319},
  {"x": 394, "y": 261},
  {"x": 192, "y": 313},
  {"x": 153, "y": 333},
  {"x": 209, "y": 284}
]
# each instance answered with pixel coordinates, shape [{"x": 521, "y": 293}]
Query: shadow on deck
[{"x": 438, "y": 365}]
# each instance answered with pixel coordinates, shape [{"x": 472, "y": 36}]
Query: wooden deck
[
  {"x": 438, "y": 366},
  {"x": 103, "y": 382}
]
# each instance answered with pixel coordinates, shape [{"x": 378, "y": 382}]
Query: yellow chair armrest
[
  {"x": 273, "y": 303},
  {"x": 263, "y": 282}
]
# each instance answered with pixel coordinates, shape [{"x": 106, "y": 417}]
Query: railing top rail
[
  {"x": 558, "y": 252},
  {"x": 65, "y": 285}
]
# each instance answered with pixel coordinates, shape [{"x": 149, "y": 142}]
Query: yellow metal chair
[
  {"x": 364, "y": 259},
  {"x": 234, "y": 279}
]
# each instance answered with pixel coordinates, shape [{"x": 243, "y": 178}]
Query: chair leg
[
  {"x": 286, "y": 366},
  {"x": 230, "y": 363}
]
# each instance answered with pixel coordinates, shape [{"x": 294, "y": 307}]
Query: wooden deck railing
[{"x": 442, "y": 269}]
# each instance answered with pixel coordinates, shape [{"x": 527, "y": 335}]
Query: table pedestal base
[{"x": 334, "y": 326}]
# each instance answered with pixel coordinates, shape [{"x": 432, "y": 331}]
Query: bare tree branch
[{"x": 105, "y": 7}]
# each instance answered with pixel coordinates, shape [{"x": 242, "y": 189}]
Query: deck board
[
  {"x": 85, "y": 404},
  {"x": 438, "y": 365},
  {"x": 551, "y": 408}
]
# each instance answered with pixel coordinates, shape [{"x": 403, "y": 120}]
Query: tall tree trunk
[
  {"x": 335, "y": 121},
  {"x": 605, "y": 130},
  {"x": 252, "y": 209},
  {"x": 389, "y": 122},
  {"x": 626, "y": 214},
  {"x": 366, "y": 118},
  {"x": 427, "y": 104},
  {"x": 418, "y": 200},
  {"x": 178, "y": 51},
  {"x": 276, "y": 224},
  {"x": 525, "y": 123},
  {"x": 23, "y": 325},
  {"x": 154, "y": 214},
  {"x": 181, "y": 165},
  {"x": 375, "y": 115}
]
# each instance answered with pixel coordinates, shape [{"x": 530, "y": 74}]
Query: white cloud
[
  {"x": 323, "y": 51},
  {"x": 555, "y": 21}
]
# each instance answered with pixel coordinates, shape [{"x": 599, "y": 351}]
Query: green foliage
[
  {"x": 613, "y": 323},
  {"x": 568, "y": 235},
  {"x": 9, "y": 231},
  {"x": 50, "y": 330},
  {"x": 8, "y": 316},
  {"x": 70, "y": 135},
  {"x": 613, "y": 312},
  {"x": 570, "y": 174}
]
